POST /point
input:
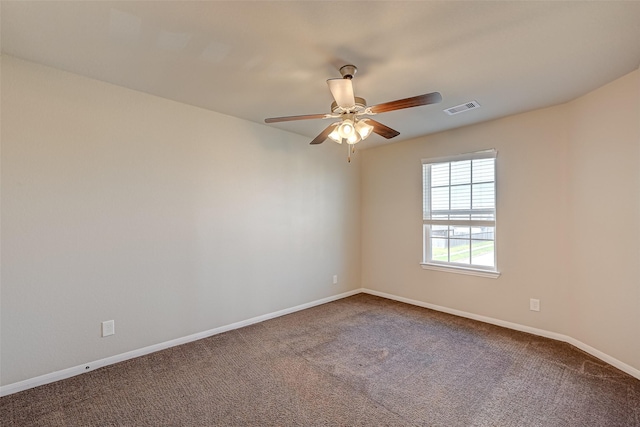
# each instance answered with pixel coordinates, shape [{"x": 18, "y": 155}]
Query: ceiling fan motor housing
[{"x": 361, "y": 104}]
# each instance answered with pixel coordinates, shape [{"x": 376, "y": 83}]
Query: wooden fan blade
[
  {"x": 323, "y": 135},
  {"x": 342, "y": 91},
  {"x": 291, "y": 118},
  {"x": 383, "y": 130},
  {"x": 416, "y": 101}
]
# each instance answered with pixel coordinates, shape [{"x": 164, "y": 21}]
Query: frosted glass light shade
[
  {"x": 335, "y": 136},
  {"x": 364, "y": 128},
  {"x": 346, "y": 129},
  {"x": 354, "y": 138}
]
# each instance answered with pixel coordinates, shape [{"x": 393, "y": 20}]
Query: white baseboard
[
  {"x": 515, "y": 326},
  {"x": 80, "y": 369},
  {"x": 90, "y": 366}
]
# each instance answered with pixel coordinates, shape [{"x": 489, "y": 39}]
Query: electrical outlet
[
  {"x": 335, "y": 279},
  {"x": 108, "y": 328},
  {"x": 534, "y": 304}
]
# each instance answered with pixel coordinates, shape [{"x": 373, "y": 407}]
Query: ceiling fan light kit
[{"x": 349, "y": 109}]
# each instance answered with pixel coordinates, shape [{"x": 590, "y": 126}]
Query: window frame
[{"x": 471, "y": 269}]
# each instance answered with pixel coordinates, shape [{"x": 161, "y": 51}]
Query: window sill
[{"x": 461, "y": 270}]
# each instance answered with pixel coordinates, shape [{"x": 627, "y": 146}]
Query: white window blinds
[{"x": 459, "y": 210}]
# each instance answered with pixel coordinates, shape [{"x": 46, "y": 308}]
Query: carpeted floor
[{"x": 360, "y": 361}]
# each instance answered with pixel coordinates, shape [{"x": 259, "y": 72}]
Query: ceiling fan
[{"x": 351, "y": 127}]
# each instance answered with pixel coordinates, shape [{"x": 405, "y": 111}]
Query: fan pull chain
[{"x": 348, "y": 153}]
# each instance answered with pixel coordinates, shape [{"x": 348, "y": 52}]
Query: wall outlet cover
[
  {"x": 108, "y": 328},
  {"x": 534, "y": 304}
]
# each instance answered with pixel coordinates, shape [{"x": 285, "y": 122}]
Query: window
[{"x": 459, "y": 213}]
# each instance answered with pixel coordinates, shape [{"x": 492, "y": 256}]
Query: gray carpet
[{"x": 360, "y": 361}]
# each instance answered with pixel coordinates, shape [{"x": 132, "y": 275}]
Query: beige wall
[
  {"x": 530, "y": 171},
  {"x": 169, "y": 219},
  {"x": 561, "y": 170},
  {"x": 604, "y": 219}
]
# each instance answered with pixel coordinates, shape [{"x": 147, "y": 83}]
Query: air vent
[{"x": 462, "y": 108}]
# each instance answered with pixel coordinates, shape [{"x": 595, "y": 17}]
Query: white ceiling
[{"x": 263, "y": 59}]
